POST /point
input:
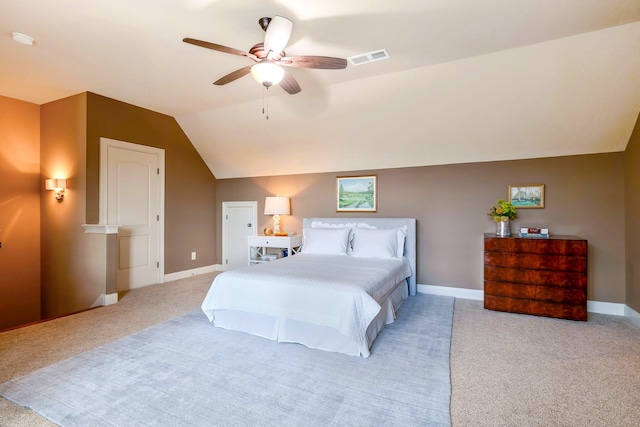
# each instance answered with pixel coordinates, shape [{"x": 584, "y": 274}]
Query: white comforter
[{"x": 341, "y": 292}]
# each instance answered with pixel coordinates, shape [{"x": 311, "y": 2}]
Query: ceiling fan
[{"x": 270, "y": 57}]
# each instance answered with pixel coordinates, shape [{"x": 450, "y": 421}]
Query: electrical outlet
[{"x": 193, "y": 256}]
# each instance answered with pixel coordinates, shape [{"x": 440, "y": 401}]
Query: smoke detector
[{"x": 22, "y": 38}]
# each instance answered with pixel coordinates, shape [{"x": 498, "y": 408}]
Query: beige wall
[
  {"x": 584, "y": 197},
  {"x": 632, "y": 214},
  {"x": 48, "y": 265},
  {"x": 19, "y": 212},
  {"x": 190, "y": 208},
  {"x": 73, "y": 263}
]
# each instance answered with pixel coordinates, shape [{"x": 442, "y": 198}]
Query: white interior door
[
  {"x": 134, "y": 203},
  {"x": 239, "y": 220}
]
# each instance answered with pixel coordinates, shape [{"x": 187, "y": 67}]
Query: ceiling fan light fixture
[{"x": 267, "y": 73}]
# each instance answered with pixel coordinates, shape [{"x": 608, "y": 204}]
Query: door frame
[
  {"x": 225, "y": 212},
  {"x": 105, "y": 144}
]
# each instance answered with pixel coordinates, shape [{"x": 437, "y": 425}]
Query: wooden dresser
[{"x": 544, "y": 277}]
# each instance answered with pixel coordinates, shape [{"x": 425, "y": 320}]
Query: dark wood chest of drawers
[{"x": 544, "y": 277}]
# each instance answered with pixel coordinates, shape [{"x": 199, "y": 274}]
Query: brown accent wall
[
  {"x": 19, "y": 212},
  {"x": 73, "y": 272},
  {"x": 190, "y": 190},
  {"x": 632, "y": 215},
  {"x": 584, "y": 197}
]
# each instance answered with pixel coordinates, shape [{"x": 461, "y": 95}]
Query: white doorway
[
  {"x": 132, "y": 197},
  {"x": 239, "y": 220}
]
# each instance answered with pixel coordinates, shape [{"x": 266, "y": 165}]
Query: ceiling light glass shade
[{"x": 267, "y": 73}]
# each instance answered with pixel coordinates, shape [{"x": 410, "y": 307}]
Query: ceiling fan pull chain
[{"x": 265, "y": 101}]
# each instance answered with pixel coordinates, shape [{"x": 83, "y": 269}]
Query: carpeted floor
[
  {"x": 186, "y": 372},
  {"x": 506, "y": 369}
]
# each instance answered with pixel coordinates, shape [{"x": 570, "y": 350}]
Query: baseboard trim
[
  {"x": 463, "y": 293},
  {"x": 110, "y": 299},
  {"x": 632, "y": 315},
  {"x": 192, "y": 272},
  {"x": 599, "y": 307}
]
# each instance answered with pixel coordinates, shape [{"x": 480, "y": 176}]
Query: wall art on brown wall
[
  {"x": 527, "y": 196},
  {"x": 356, "y": 193}
]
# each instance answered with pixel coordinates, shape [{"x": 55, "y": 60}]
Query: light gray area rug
[{"x": 185, "y": 372}]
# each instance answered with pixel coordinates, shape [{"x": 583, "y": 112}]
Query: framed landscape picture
[
  {"x": 356, "y": 193},
  {"x": 527, "y": 196}
]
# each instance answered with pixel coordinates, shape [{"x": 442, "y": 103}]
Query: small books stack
[{"x": 535, "y": 233}]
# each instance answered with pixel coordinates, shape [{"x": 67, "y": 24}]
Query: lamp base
[{"x": 276, "y": 223}]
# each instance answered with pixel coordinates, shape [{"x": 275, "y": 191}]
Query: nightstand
[{"x": 259, "y": 244}]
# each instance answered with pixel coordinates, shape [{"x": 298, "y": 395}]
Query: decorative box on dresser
[{"x": 540, "y": 276}]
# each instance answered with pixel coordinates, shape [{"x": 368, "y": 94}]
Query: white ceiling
[{"x": 467, "y": 80}]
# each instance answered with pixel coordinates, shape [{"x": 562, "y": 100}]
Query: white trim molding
[
  {"x": 192, "y": 272},
  {"x": 632, "y": 315},
  {"x": 110, "y": 299},
  {"x": 100, "y": 229},
  {"x": 464, "y": 293},
  {"x": 605, "y": 308},
  {"x": 599, "y": 307}
]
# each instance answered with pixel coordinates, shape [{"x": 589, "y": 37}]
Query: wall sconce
[
  {"x": 276, "y": 206},
  {"x": 58, "y": 185}
]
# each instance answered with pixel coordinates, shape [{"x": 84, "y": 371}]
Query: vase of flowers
[{"x": 501, "y": 214}]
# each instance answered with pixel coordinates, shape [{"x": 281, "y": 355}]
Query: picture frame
[
  {"x": 527, "y": 196},
  {"x": 357, "y": 193}
]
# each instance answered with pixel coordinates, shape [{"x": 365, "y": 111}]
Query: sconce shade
[
  {"x": 267, "y": 73},
  {"x": 53, "y": 184},
  {"x": 58, "y": 185},
  {"x": 277, "y": 206}
]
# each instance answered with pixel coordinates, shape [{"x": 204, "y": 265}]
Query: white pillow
[
  {"x": 401, "y": 235},
  {"x": 371, "y": 243},
  {"x": 325, "y": 241},
  {"x": 349, "y": 225}
]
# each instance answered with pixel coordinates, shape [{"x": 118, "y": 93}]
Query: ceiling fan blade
[
  {"x": 220, "y": 48},
  {"x": 289, "y": 84},
  {"x": 277, "y": 35},
  {"x": 235, "y": 75},
  {"x": 322, "y": 62}
]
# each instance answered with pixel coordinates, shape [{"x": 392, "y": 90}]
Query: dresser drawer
[
  {"x": 535, "y": 261},
  {"x": 566, "y": 279},
  {"x": 536, "y": 292},
  {"x": 538, "y": 308},
  {"x": 554, "y": 246}
]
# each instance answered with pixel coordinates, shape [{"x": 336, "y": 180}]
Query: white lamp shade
[
  {"x": 53, "y": 184},
  {"x": 277, "y": 206},
  {"x": 267, "y": 73}
]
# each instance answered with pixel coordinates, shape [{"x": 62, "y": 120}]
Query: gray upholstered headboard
[{"x": 384, "y": 223}]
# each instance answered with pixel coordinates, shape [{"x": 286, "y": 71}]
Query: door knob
[{"x": 249, "y": 224}]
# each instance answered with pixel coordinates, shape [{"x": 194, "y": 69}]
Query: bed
[{"x": 336, "y": 294}]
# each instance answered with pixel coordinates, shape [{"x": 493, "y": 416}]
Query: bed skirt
[{"x": 310, "y": 335}]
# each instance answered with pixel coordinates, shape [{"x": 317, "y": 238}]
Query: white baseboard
[
  {"x": 193, "y": 272},
  {"x": 105, "y": 299},
  {"x": 632, "y": 315},
  {"x": 464, "y": 293},
  {"x": 600, "y": 307},
  {"x": 110, "y": 299}
]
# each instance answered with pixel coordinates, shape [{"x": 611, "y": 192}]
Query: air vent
[{"x": 365, "y": 58}]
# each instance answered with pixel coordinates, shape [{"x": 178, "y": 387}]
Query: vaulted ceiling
[{"x": 466, "y": 81}]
